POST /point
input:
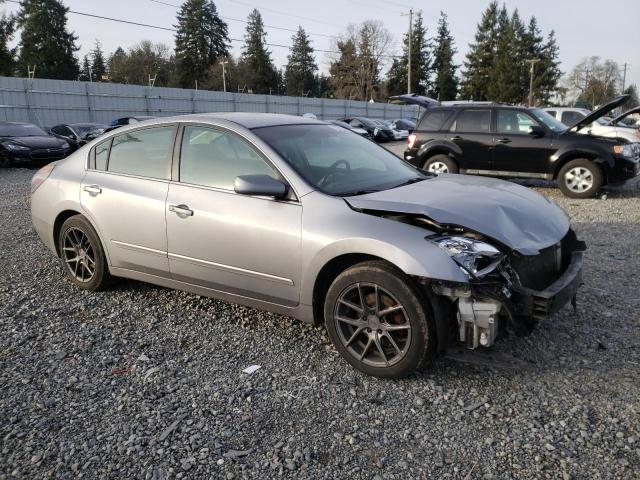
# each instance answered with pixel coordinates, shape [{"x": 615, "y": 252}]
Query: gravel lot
[{"x": 145, "y": 382}]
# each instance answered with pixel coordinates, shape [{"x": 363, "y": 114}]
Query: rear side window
[
  {"x": 102, "y": 155},
  {"x": 569, "y": 118},
  {"x": 553, "y": 113},
  {"x": 472, "y": 121},
  {"x": 433, "y": 121},
  {"x": 146, "y": 153},
  {"x": 214, "y": 158}
]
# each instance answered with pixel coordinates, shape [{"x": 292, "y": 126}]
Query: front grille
[
  {"x": 47, "y": 154},
  {"x": 539, "y": 271}
]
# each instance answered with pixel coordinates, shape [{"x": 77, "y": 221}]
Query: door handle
[
  {"x": 504, "y": 140},
  {"x": 182, "y": 210},
  {"x": 456, "y": 138},
  {"x": 92, "y": 190}
]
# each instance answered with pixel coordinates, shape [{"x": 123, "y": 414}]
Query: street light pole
[
  {"x": 410, "y": 15},
  {"x": 532, "y": 63},
  {"x": 224, "y": 79}
]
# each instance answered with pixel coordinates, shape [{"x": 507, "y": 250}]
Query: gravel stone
[{"x": 140, "y": 381}]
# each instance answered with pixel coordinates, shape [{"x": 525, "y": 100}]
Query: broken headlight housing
[{"x": 475, "y": 257}]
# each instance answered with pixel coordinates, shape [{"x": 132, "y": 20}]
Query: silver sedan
[{"x": 307, "y": 219}]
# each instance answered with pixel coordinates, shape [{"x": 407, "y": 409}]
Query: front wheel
[
  {"x": 580, "y": 178},
  {"x": 440, "y": 164},
  {"x": 378, "y": 321}
]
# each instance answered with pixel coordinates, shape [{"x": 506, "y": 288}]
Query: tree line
[{"x": 361, "y": 67}]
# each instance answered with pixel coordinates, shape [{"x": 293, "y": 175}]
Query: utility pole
[
  {"x": 532, "y": 63},
  {"x": 410, "y": 14},
  {"x": 224, "y": 80},
  {"x": 624, "y": 76}
]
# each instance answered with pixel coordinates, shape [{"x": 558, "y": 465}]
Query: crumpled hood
[
  {"x": 513, "y": 215},
  {"x": 39, "y": 141}
]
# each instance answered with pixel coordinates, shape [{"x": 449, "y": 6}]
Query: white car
[{"x": 602, "y": 127}]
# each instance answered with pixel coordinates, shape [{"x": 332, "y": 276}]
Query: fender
[
  {"x": 439, "y": 146},
  {"x": 596, "y": 153}
]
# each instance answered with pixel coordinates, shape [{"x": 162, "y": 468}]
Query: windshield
[
  {"x": 84, "y": 129},
  {"x": 550, "y": 122},
  {"x": 21, "y": 130},
  {"x": 337, "y": 161}
]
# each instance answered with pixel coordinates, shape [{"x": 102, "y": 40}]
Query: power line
[
  {"x": 266, "y": 9},
  {"x": 245, "y": 21}
]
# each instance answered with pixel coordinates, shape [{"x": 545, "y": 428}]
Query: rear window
[
  {"x": 433, "y": 121},
  {"x": 146, "y": 153},
  {"x": 569, "y": 118},
  {"x": 473, "y": 121}
]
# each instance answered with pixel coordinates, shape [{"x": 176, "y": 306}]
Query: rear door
[
  {"x": 471, "y": 131},
  {"x": 124, "y": 193},
  {"x": 516, "y": 151}
]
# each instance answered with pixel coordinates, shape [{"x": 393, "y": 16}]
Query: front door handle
[
  {"x": 182, "y": 210},
  {"x": 504, "y": 140},
  {"x": 456, "y": 138},
  {"x": 92, "y": 190}
]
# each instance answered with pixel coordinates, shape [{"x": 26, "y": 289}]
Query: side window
[
  {"x": 146, "y": 153},
  {"x": 214, "y": 158},
  {"x": 473, "y": 121},
  {"x": 433, "y": 121},
  {"x": 57, "y": 130},
  {"x": 101, "y": 153},
  {"x": 513, "y": 121},
  {"x": 569, "y": 118},
  {"x": 553, "y": 113}
]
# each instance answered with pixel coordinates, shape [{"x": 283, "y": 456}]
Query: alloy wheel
[
  {"x": 79, "y": 255},
  {"x": 578, "y": 179},
  {"x": 372, "y": 325},
  {"x": 438, "y": 167}
]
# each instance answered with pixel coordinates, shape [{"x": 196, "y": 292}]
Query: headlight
[
  {"x": 375, "y": 132},
  {"x": 64, "y": 145},
  {"x": 628, "y": 150},
  {"x": 15, "y": 147},
  {"x": 475, "y": 257}
]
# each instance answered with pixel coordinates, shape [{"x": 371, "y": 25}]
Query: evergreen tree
[
  {"x": 321, "y": 85},
  {"x": 342, "y": 79},
  {"x": 86, "y": 74},
  {"x": 548, "y": 70},
  {"x": 115, "y": 66},
  {"x": 479, "y": 60},
  {"x": 45, "y": 42},
  {"x": 633, "y": 100},
  {"x": 201, "y": 39},
  {"x": 445, "y": 84},
  {"x": 261, "y": 75},
  {"x": 506, "y": 81},
  {"x": 301, "y": 67},
  {"x": 7, "y": 55},
  {"x": 98, "y": 63},
  {"x": 420, "y": 62}
]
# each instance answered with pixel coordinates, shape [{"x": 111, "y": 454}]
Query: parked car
[
  {"x": 359, "y": 131},
  {"x": 25, "y": 144},
  {"x": 404, "y": 124},
  {"x": 120, "y": 122},
  {"x": 398, "y": 133},
  {"x": 79, "y": 133},
  {"x": 506, "y": 141},
  {"x": 377, "y": 130},
  {"x": 299, "y": 217},
  {"x": 601, "y": 127}
]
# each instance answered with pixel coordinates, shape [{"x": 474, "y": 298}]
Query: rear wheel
[
  {"x": 580, "y": 178},
  {"x": 81, "y": 251},
  {"x": 440, "y": 164},
  {"x": 378, "y": 321}
]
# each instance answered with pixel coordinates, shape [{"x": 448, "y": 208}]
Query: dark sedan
[
  {"x": 25, "y": 143},
  {"x": 376, "y": 129},
  {"x": 79, "y": 133},
  {"x": 122, "y": 121}
]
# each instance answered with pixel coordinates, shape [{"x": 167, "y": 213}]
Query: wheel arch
[
  {"x": 567, "y": 157},
  {"x": 62, "y": 217},
  {"x": 431, "y": 149}
]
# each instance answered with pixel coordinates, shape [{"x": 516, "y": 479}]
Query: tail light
[
  {"x": 40, "y": 176},
  {"x": 411, "y": 140}
]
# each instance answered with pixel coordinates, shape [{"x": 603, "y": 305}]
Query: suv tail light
[
  {"x": 411, "y": 140},
  {"x": 40, "y": 176}
]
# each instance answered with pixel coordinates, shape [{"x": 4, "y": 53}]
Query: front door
[
  {"x": 218, "y": 239},
  {"x": 124, "y": 193},
  {"x": 516, "y": 151},
  {"x": 471, "y": 131}
]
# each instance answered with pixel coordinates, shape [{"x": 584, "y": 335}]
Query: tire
[
  {"x": 440, "y": 164},
  {"x": 78, "y": 240},
  {"x": 392, "y": 345},
  {"x": 580, "y": 178}
]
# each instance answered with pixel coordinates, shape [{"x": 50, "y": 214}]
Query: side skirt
[{"x": 504, "y": 173}]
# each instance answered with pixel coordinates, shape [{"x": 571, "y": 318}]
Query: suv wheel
[
  {"x": 580, "y": 178},
  {"x": 440, "y": 164},
  {"x": 378, "y": 321},
  {"x": 84, "y": 261}
]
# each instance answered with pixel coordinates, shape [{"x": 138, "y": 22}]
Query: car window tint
[
  {"x": 433, "y": 121},
  {"x": 145, "y": 152},
  {"x": 513, "y": 121},
  {"x": 569, "y": 118},
  {"x": 553, "y": 113},
  {"x": 214, "y": 158},
  {"x": 473, "y": 121},
  {"x": 101, "y": 155}
]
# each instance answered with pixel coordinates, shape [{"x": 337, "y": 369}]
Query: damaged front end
[{"x": 514, "y": 291}]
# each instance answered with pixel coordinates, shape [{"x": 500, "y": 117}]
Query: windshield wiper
[
  {"x": 410, "y": 181},
  {"x": 358, "y": 192}
]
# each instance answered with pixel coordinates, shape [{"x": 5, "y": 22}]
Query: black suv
[{"x": 485, "y": 138}]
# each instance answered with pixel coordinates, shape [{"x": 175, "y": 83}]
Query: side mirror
[
  {"x": 536, "y": 131},
  {"x": 260, "y": 185}
]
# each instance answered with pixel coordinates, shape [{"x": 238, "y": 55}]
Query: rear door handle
[
  {"x": 181, "y": 210},
  {"x": 504, "y": 140},
  {"x": 92, "y": 190},
  {"x": 456, "y": 138}
]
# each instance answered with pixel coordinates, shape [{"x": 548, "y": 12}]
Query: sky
[{"x": 583, "y": 27}]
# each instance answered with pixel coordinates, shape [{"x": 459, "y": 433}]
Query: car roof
[{"x": 247, "y": 119}]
